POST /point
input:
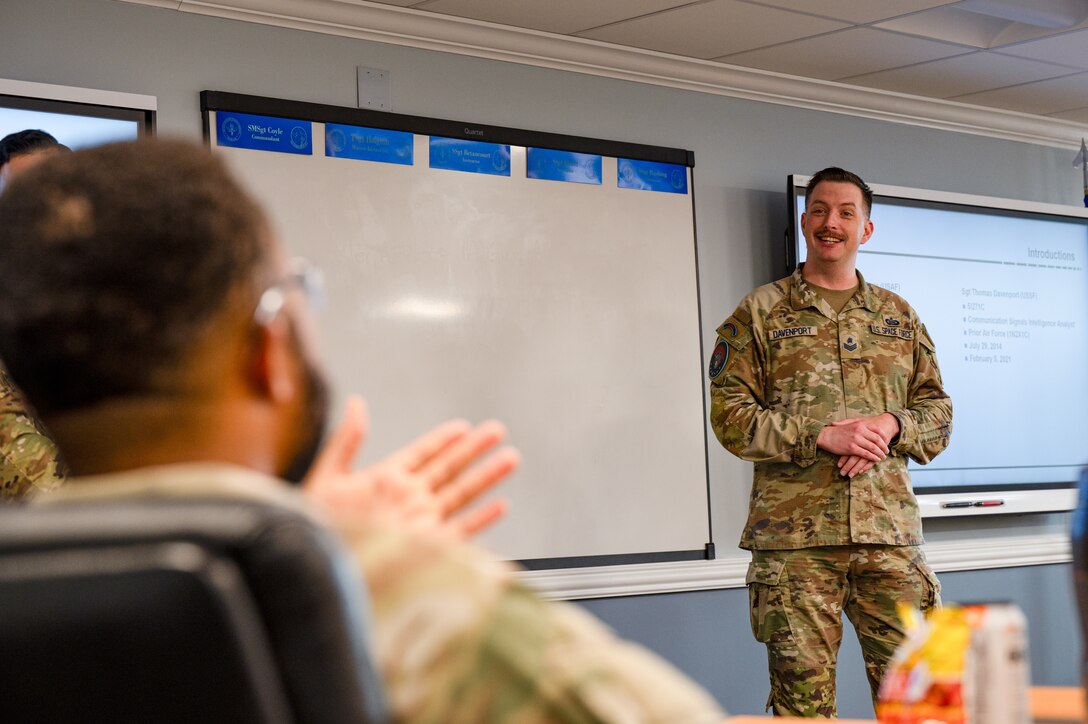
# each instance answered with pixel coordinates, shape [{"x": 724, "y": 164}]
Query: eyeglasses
[{"x": 301, "y": 273}]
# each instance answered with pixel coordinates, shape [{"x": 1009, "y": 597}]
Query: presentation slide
[
  {"x": 73, "y": 130},
  {"x": 1004, "y": 296}
]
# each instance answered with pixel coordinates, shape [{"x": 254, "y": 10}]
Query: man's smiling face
[{"x": 835, "y": 224}]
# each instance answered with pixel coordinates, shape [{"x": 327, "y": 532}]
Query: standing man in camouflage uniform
[
  {"x": 828, "y": 384},
  {"x": 28, "y": 456}
]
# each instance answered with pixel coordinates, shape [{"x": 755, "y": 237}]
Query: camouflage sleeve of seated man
[{"x": 29, "y": 460}]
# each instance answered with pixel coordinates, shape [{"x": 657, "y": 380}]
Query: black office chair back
[{"x": 168, "y": 610}]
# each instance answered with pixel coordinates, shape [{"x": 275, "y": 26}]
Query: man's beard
[{"x": 315, "y": 410}]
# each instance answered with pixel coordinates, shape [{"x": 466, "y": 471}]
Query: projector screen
[{"x": 1002, "y": 287}]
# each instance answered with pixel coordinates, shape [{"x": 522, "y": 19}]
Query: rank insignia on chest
[{"x": 850, "y": 344}]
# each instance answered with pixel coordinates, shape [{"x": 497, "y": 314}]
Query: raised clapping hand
[
  {"x": 427, "y": 485},
  {"x": 861, "y": 442}
]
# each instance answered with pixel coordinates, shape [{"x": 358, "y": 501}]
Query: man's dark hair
[
  {"x": 28, "y": 141},
  {"x": 835, "y": 174},
  {"x": 115, "y": 259}
]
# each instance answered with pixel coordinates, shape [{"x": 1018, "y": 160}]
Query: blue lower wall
[{"x": 706, "y": 633}]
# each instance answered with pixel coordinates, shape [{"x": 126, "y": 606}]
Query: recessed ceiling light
[{"x": 1041, "y": 13}]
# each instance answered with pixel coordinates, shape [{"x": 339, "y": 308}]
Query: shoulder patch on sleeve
[
  {"x": 718, "y": 359},
  {"x": 733, "y": 335},
  {"x": 737, "y": 330}
]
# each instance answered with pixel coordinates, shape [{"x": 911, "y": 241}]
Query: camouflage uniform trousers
[{"x": 796, "y": 600}]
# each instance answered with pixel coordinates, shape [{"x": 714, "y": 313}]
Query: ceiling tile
[
  {"x": 1077, "y": 115},
  {"x": 1041, "y": 98},
  {"x": 930, "y": 48},
  {"x": 1067, "y": 48},
  {"x": 712, "y": 29},
  {"x": 842, "y": 54},
  {"x": 555, "y": 16},
  {"x": 971, "y": 73},
  {"x": 856, "y": 12}
]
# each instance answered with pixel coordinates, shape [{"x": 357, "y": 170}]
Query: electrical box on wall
[{"x": 375, "y": 89}]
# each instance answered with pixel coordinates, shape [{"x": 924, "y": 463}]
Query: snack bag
[{"x": 961, "y": 665}]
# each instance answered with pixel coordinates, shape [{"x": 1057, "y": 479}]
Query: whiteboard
[{"x": 567, "y": 310}]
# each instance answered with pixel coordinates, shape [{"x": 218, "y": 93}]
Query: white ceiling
[{"x": 1029, "y": 56}]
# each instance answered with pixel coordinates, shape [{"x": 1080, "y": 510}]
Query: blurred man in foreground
[
  {"x": 168, "y": 343},
  {"x": 28, "y": 456}
]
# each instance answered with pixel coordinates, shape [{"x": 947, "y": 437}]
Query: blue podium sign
[
  {"x": 455, "y": 154},
  {"x": 369, "y": 144},
  {"x": 264, "y": 133},
  {"x": 652, "y": 176},
  {"x": 579, "y": 168}
]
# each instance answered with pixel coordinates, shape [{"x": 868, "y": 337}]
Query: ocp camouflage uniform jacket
[
  {"x": 457, "y": 638},
  {"x": 785, "y": 365},
  {"x": 28, "y": 456}
]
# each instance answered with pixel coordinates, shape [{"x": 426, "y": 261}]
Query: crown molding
[
  {"x": 729, "y": 572},
  {"x": 448, "y": 34}
]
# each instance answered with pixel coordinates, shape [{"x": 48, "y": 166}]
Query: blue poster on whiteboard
[
  {"x": 369, "y": 144},
  {"x": 454, "y": 154},
  {"x": 652, "y": 176},
  {"x": 264, "y": 133},
  {"x": 579, "y": 168}
]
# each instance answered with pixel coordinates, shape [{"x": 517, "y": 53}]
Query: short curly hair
[{"x": 115, "y": 259}]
